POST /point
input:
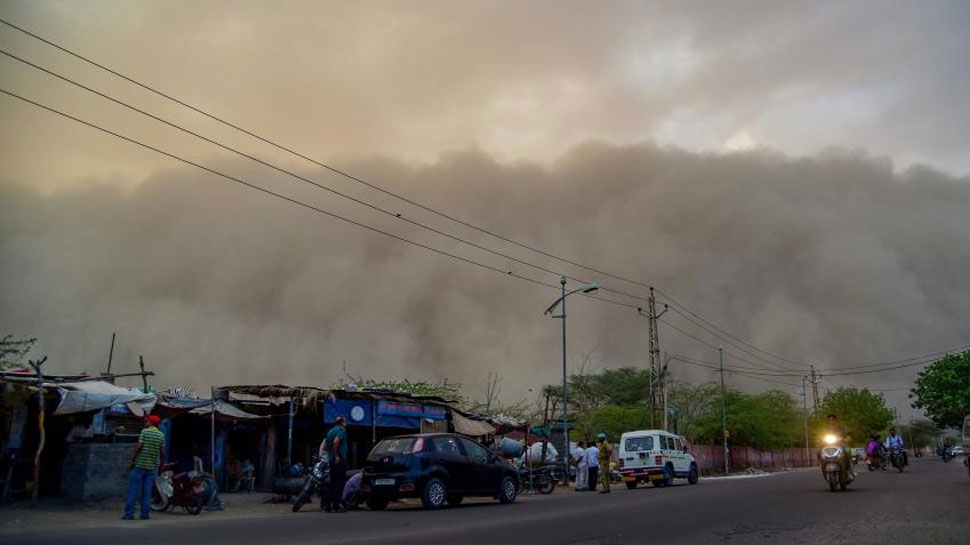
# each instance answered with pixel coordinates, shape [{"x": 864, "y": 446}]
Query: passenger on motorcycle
[
  {"x": 874, "y": 448},
  {"x": 895, "y": 441}
]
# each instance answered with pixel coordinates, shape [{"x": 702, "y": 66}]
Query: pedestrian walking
[
  {"x": 605, "y": 452},
  {"x": 579, "y": 460},
  {"x": 335, "y": 447},
  {"x": 592, "y": 466},
  {"x": 144, "y": 468}
]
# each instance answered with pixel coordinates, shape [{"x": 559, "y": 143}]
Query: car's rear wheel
[
  {"x": 693, "y": 477},
  {"x": 377, "y": 503},
  {"x": 434, "y": 494},
  {"x": 507, "y": 490},
  {"x": 631, "y": 485}
]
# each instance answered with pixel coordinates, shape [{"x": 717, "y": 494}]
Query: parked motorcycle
[
  {"x": 896, "y": 458},
  {"x": 834, "y": 463},
  {"x": 317, "y": 481},
  {"x": 540, "y": 479},
  {"x": 186, "y": 490}
]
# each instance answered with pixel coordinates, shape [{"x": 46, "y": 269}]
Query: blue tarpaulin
[
  {"x": 395, "y": 414},
  {"x": 357, "y": 412}
]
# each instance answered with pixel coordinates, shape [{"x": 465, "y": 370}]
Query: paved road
[{"x": 929, "y": 502}]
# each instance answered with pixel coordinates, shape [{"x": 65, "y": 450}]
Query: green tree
[
  {"x": 13, "y": 351},
  {"x": 766, "y": 421},
  {"x": 860, "y": 412},
  {"x": 612, "y": 420},
  {"x": 690, "y": 403},
  {"x": 943, "y": 390}
]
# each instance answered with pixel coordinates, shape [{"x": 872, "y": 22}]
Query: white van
[{"x": 657, "y": 456}]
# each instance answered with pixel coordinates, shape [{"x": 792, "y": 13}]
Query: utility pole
[
  {"x": 815, "y": 380},
  {"x": 657, "y": 379},
  {"x": 805, "y": 414},
  {"x": 724, "y": 430}
]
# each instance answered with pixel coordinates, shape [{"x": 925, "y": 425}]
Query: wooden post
[
  {"x": 212, "y": 395},
  {"x": 144, "y": 376},
  {"x": 40, "y": 424}
]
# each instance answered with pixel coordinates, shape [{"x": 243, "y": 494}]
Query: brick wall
[
  {"x": 710, "y": 458},
  {"x": 96, "y": 471}
]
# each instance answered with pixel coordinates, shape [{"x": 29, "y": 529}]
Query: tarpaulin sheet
[
  {"x": 357, "y": 412},
  {"x": 472, "y": 428},
  {"x": 227, "y": 410},
  {"x": 395, "y": 414},
  {"x": 79, "y": 397}
]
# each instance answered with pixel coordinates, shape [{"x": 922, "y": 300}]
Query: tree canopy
[
  {"x": 860, "y": 412},
  {"x": 13, "y": 350},
  {"x": 943, "y": 390}
]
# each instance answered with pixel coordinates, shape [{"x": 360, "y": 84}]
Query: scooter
[
  {"x": 317, "y": 481},
  {"x": 186, "y": 490},
  {"x": 875, "y": 462},
  {"x": 836, "y": 469}
]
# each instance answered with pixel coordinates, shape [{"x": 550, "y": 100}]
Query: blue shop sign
[{"x": 357, "y": 412}]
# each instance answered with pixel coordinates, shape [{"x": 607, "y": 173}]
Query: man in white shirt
[
  {"x": 592, "y": 465},
  {"x": 579, "y": 460}
]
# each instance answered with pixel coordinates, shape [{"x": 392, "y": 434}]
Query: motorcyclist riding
[
  {"x": 874, "y": 448},
  {"x": 835, "y": 429},
  {"x": 896, "y": 441}
]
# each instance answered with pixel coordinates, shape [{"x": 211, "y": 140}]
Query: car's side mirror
[{"x": 686, "y": 450}]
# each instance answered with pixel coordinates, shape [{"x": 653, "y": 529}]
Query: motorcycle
[
  {"x": 186, "y": 490},
  {"x": 541, "y": 479},
  {"x": 836, "y": 469},
  {"x": 876, "y": 462},
  {"x": 896, "y": 458},
  {"x": 317, "y": 481}
]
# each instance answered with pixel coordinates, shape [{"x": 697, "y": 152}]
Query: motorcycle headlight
[{"x": 831, "y": 439}]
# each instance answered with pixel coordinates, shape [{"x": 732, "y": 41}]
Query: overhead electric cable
[{"x": 293, "y": 200}]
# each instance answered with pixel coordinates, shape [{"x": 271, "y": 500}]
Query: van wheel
[
  {"x": 692, "y": 478},
  {"x": 632, "y": 485},
  {"x": 668, "y": 479},
  {"x": 434, "y": 494}
]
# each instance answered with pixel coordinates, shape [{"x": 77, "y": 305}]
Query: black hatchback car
[{"x": 438, "y": 468}]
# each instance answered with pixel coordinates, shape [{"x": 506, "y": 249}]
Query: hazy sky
[{"x": 753, "y": 157}]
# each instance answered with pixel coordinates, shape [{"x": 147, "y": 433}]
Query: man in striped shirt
[{"x": 144, "y": 468}]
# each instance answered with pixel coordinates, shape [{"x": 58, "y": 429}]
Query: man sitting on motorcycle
[
  {"x": 895, "y": 441},
  {"x": 835, "y": 429}
]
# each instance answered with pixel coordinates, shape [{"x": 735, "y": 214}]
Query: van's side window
[{"x": 678, "y": 445}]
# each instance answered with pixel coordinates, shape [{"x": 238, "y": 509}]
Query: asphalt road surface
[{"x": 930, "y": 503}]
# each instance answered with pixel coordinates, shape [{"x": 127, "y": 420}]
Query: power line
[
  {"x": 293, "y": 200},
  {"x": 715, "y": 369},
  {"x": 360, "y": 180}
]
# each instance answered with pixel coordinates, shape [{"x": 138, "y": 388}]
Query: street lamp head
[{"x": 591, "y": 287}]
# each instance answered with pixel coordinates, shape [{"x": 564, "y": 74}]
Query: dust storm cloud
[{"x": 835, "y": 258}]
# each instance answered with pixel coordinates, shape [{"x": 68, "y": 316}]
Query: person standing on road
[
  {"x": 579, "y": 460},
  {"x": 605, "y": 452},
  {"x": 144, "y": 468},
  {"x": 335, "y": 446},
  {"x": 592, "y": 455}
]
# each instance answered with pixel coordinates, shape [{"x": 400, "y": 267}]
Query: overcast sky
[{"x": 403, "y": 90}]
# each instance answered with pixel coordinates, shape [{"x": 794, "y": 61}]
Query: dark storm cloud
[{"x": 834, "y": 259}]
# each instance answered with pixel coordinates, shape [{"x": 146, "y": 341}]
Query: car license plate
[
  {"x": 629, "y": 478},
  {"x": 383, "y": 482}
]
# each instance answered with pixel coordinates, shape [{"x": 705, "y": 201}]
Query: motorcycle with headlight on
[{"x": 834, "y": 462}]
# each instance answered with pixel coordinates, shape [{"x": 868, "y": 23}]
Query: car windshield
[
  {"x": 634, "y": 444},
  {"x": 396, "y": 445}
]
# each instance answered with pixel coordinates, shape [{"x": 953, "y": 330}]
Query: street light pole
[
  {"x": 565, "y": 414},
  {"x": 588, "y": 288},
  {"x": 727, "y": 467}
]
